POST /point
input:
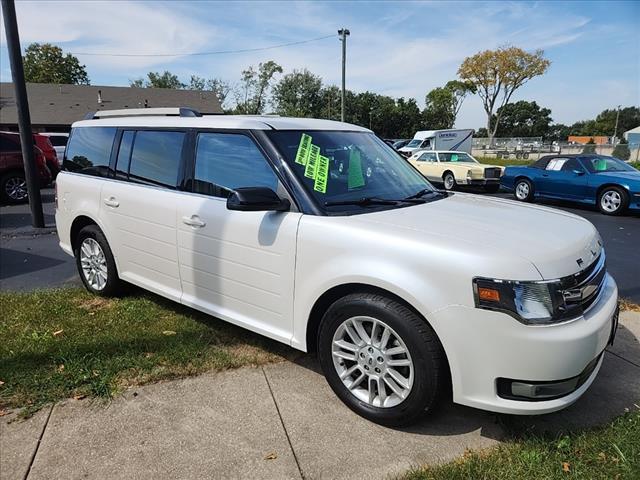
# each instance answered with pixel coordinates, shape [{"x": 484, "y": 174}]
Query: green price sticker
[
  {"x": 322, "y": 174},
  {"x": 312, "y": 160},
  {"x": 356, "y": 178},
  {"x": 303, "y": 149}
]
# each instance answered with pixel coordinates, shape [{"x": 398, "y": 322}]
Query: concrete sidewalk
[{"x": 277, "y": 422}]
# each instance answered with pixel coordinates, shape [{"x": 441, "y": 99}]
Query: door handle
[
  {"x": 545, "y": 174},
  {"x": 111, "y": 202},
  {"x": 193, "y": 221}
]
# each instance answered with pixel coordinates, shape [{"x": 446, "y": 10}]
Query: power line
[{"x": 220, "y": 52}]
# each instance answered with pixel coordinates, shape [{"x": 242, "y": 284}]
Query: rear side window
[
  {"x": 155, "y": 157},
  {"x": 227, "y": 161},
  {"x": 89, "y": 150}
]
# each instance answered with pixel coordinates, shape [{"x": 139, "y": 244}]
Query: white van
[
  {"x": 317, "y": 234},
  {"x": 447, "y": 140}
]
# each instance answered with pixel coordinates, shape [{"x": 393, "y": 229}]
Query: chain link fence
[{"x": 532, "y": 148}]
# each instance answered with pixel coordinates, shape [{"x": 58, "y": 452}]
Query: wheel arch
[
  {"x": 78, "y": 224},
  {"x": 608, "y": 185}
]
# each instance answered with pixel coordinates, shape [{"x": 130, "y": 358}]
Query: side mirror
[
  {"x": 579, "y": 172},
  {"x": 257, "y": 199}
]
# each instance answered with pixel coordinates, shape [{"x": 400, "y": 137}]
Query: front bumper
[
  {"x": 479, "y": 181},
  {"x": 483, "y": 347}
]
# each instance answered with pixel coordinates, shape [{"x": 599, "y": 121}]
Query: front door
[
  {"x": 563, "y": 178},
  {"x": 238, "y": 266}
]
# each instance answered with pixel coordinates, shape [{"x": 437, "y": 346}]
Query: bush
[{"x": 622, "y": 151}]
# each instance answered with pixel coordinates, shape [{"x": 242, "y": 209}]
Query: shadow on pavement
[{"x": 15, "y": 262}]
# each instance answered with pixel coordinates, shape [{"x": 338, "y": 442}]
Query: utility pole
[
  {"x": 24, "y": 119},
  {"x": 344, "y": 33},
  {"x": 615, "y": 131}
]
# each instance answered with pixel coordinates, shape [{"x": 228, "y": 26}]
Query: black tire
[
  {"x": 431, "y": 376},
  {"x": 449, "y": 181},
  {"x": 492, "y": 188},
  {"x": 518, "y": 156},
  {"x": 113, "y": 283},
  {"x": 520, "y": 193},
  {"x": 8, "y": 193},
  {"x": 609, "y": 207},
  {"x": 525, "y": 155}
]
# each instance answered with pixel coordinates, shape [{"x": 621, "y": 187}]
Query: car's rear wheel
[
  {"x": 95, "y": 262},
  {"x": 13, "y": 188},
  {"x": 523, "y": 190},
  {"x": 449, "y": 181},
  {"x": 613, "y": 200},
  {"x": 381, "y": 359}
]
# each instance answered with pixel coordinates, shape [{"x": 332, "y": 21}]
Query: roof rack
[{"x": 139, "y": 112}]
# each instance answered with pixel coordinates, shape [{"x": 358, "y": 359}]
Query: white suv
[{"x": 317, "y": 234}]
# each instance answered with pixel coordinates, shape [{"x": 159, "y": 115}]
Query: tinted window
[
  {"x": 606, "y": 164},
  {"x": 225, "y": 162},
  {"x": 8, "y": 145},
  {"x": 427, "y": 157},
  {"x": 156, "y": 157},
  {"x": 58, "y": 140},
  {"x": 124, "y": 154},
  {"x": 571, "y": 165},
  {"x": 542, "y": 163},
  {"x": 89, "y": 150}
]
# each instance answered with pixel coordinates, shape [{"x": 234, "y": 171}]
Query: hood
[{"x": 552, "y": 240}]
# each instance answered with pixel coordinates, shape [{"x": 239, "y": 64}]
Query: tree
[
  {"x": 253, "y": 94},
  {"x": 217, "y": 85},
  {"x": 558, "y": 132},
  {"x": 589, "y": 147},
  {"x": 523, "y": 119},
  {"x": 442, "y": 104},
  {"x": 158, "y": 80},
  {"x": 46, "y": 63},
  {"x": 621, "y": 150},
  {"x": 481, "y": 133},
  {"x": 299, "y": 94},
  {"x": 496, "y": 74},
  {"x": 439, "y": 109}
]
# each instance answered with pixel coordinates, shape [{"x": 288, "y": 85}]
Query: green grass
[
  {"x": 504, "y": 161},
  {"x": 57, "y": 344},
  {"x": 635, "y": 165},
  {"x": 608, "y": 453}
]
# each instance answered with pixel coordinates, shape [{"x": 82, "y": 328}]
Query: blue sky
[{"x": 395, "y": 48}]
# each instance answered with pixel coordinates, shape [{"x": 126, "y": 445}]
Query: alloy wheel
[
  {"x": 522, "y": 190},
  {"x": 93, "y": 263},
  {"x": 449, "y": 182},
  {"x": 372, "y": 361},
  {"x": 16, "y": 188},
  {"x": 611, "y": 201}
]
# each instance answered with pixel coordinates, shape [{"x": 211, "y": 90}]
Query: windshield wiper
[
  {"x": 424, "y": 192},
  {"x": 362, "y": 202}
]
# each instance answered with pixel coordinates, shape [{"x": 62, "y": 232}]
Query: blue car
[{"x": 609, "y": 183}]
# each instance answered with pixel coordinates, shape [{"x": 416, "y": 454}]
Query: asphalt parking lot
[{"x": 35, "y": 261}]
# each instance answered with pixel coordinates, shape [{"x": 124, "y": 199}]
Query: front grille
[
  {"x": 491, "y": 173},
  {"x": 581, "y": 290}
]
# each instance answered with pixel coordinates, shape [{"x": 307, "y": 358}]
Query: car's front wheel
[
  {"x": 95, "y": 262},
  {"x": 523, "y": 190},
  {"x": 381, "y": 359},
  {"x": 613, "y": 200},
  {"x": 13, "y": 188}
]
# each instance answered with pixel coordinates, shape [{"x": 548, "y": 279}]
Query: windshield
[
  {"x": 456, "y": 157},
  {"x": 337, "y": 166},
  {"x": 414, "y": 143},
  {"x": 606, "y": 164}
]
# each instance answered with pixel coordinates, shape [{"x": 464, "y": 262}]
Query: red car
[
  {"x": 51, "y": 157},
  {"x": 13, "y": 186}
]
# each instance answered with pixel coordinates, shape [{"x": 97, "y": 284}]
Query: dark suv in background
[{"x": 13, "y": 186}]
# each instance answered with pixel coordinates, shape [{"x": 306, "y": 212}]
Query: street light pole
[
  {"x": 344, "y": 33},
  {"x": 615, "y": 131},
  {"x": 24, "y": 119}
]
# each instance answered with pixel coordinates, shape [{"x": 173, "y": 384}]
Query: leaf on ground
[
  {"x": 60, "y": 368},
  {"x": 58, "y": 332},
  {"x": 168, "y": 332},
  {"x": 79, "y": 396},
  {"x": 566, "y": 467},
  {"x": 1, "y": 383},
  {"x": 3, "y": 413},
  {"x": 271, "y": 456}
]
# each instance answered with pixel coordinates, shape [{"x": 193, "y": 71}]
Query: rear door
[
  {"x": 563, "y": 177},
  {"x": 139, "y": 208},
  {"x": 236, "y": 265}
]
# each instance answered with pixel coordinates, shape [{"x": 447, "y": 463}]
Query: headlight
[{"x": 532, "y": 303}]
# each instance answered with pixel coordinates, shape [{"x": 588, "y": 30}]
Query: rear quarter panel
[{"x": 511, "y": 173}]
